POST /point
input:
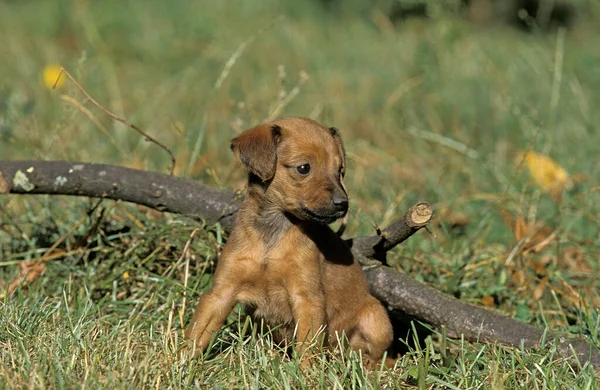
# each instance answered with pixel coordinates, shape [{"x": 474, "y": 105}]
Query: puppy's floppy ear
[
  {"x": 342, "y": 151},
  {"x": 257, "y": 149}
]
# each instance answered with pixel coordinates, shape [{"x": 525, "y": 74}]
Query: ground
[{"x": 441, "y": 110}]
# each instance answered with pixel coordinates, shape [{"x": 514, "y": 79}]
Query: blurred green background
[{"x": 437, "y": 108}]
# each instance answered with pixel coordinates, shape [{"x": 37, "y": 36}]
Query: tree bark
[{"x": 394, "y": 289}]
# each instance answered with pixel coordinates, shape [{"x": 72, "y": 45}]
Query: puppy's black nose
[{"x": 340, "y": 202}]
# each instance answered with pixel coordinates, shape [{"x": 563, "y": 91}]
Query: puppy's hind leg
[
  {"x": 210, "y": 314},
  {"x": 373, "y": 333}
]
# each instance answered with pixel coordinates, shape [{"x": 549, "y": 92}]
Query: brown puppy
[{"x": 281, "y": 259}]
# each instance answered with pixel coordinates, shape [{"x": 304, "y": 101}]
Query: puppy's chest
[{"x": 282, "y": 274}]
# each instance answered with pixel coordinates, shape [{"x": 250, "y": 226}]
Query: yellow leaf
[
  {"x": 546, "y": 172},
  {"x": 50, "y": 76}
]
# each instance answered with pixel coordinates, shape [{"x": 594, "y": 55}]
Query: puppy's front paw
[{"x": 188, "y": 351}]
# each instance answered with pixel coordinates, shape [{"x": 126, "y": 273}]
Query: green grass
[{"x": 434, "y": 111}]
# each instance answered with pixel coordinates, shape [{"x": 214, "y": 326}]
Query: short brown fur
[{"x": 281, "y": 259}]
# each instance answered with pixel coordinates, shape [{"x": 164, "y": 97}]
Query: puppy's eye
[{"x": 303, "y": 169}]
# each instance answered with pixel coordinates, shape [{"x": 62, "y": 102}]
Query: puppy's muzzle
[{"x": 336, "y": 209}]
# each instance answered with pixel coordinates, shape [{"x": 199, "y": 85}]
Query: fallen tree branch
[
  {"x": 152, "y": 189},
  {"x": 425, "y": 303},
  {"x": 396, "y": 290}
]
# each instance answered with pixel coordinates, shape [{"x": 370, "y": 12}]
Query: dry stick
[
  {"x": 117, "y": 118},
  {"x": 376, "y": 247},
  {"x": 396, "y": 290}
]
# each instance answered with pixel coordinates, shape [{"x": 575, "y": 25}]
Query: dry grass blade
[
  {"x": 288, "y": 97},
  {"x": 185, "y": 254},
  {"x": 117, "y": 118},
  {"x": 239, "y": 51}
]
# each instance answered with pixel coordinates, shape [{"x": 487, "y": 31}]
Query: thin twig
[
  {"x": 117, "y": 118},
  {"x": 91, "y": 117}
]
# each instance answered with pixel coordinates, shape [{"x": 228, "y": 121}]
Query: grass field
[{"x": 438, "y": 111}]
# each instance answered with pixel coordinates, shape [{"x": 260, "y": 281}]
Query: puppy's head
[{"x": 301, "y": 165}]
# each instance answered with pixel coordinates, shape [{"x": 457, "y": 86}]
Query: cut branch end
[{"x": 419, "y": 215}]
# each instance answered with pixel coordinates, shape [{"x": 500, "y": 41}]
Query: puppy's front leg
[
  {"x": 309, "y": 313},
  {"x": 210, "y": 314}
]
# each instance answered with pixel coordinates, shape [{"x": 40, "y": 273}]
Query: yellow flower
[
  {"x": 125, "y": 275},
  {"x": 50, "y": 75}
]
